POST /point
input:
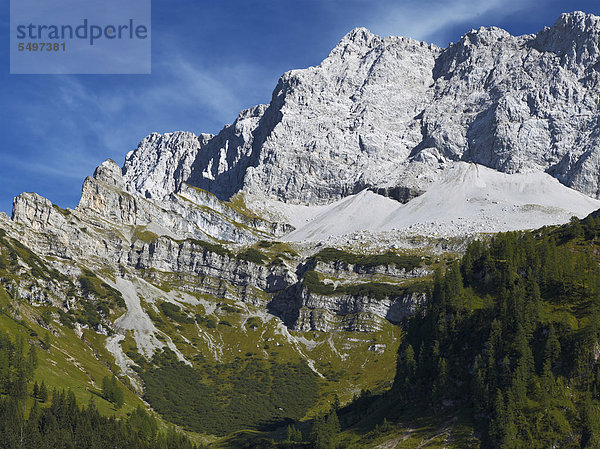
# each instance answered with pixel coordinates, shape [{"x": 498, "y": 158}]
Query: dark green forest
[
  {"x": 511, "y": 332},
  {"x": 221, "y": 399},
  {"x": 56, "y": 421}
]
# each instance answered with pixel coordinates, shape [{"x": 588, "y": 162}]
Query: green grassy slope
[{"x": 225, "y": 344}]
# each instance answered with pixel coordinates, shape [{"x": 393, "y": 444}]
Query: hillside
[
  {"x": 325, "y": 271},
  {"x": 251, "y": 341},
  {"x": 504, "y": 355}
]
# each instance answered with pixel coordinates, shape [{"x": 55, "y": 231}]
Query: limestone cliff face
[
  {"x": 354, "y": 271},
  {"x": 388, "y": 113},
  {"x": 115, "y": 228},
  {"x": 36, "y": 212},
  {"x": 189, "y": 213},
  {"x": 110, "y": 229},
  {"x": 346, "y": 312},
  {"x": 161, "y": 163},
  {"x": 304, "y": 310},
  {"x": 192, "y": 258}
]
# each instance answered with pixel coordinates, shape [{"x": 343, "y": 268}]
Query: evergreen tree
[
  {"x": 333, "y": 424},
  {"x": 293, "y": 434},
  {"x": 325, "y": 431},
  {"x": 479, "y": 392},
  {"x": 454, "y": 286},
  {"x": 32, "y": 362},
  {"x": 112, "y": 392},
  {"x": 440, "y": 385},
  {"x": 18, "y": 389},
  {"x": 4, "y": 367},
  {"x": 117, "y": 393},
  {"x": 499, "y": 423},
  {"x": 43, "y": 392},
  {"x": 47, "y": 343},
  {"x": 318, "y": 433},
  {"x": 591, "y": 423},
  {"x": 405, "y": 372},
  {"x": 552, "y": 348}
]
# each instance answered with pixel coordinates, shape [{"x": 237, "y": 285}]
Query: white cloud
[
  {"x": 97, "y": 121},
  {"x": 190, "y": 85},
  {"x": 428, "y": 20}
]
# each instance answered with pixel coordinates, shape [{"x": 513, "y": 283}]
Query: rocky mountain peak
[
  {"x": 357, "y": 41},
  {"x": 575, "y": 37},
  {"x": 36, "y": 212},
  {"x": 110, "y": 173},
  {"x": 162, "y": 162},
  {"x": 578, "y": 21},
  {"x": 485, "y": 36},
  {"x": 375, "y": 110},
  {"x": 253, "y": 112}
]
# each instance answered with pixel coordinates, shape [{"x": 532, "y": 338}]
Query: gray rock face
[
  {"x": 222, "y": 164},
  {"x": 340, "y": 269},
  {"x": 109, "y": 229},
  {"x": 191, "y": 213},
  {"x": 36, "y": 212},
  {"x": 304, "y": 310},
  {"x": 92, "y": 236},
  {"x": 329, "y": 130},
  {"x": 161, "y": 163},
  {"x": 189, "y": 257},
  {"x": 110, "y": 173},
  {"x": 345, "y": 312},
  {"x": 521, "y": 103},
  {"x": 386, "y": 113}
]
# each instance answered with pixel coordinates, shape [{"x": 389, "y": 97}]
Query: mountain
[
  {"x": 377, "y": 112},
  {"x": 398, "y": 117},
  {"x": 250, "y": 279}
]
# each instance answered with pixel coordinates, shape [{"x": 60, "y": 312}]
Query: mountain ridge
[
  {"x": 297, "y": 240},
  {"x": 378, "y": 109}
]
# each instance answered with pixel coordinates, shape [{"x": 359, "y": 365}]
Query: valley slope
[{"x": 222, "y": 277}]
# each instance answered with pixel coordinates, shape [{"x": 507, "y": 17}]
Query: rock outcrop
[
  {"x": 304, "y": 310},
  {"x": 161, "y": 163}
]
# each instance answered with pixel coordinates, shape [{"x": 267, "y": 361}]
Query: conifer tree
[
  {"x": 4, "y": 368},
  {"x": 479, "y": 392},
  {"x": 552, "y": 348},
  {"x": 32, "y": 362},
  {"x": 440, "y": 386},
  {"x": 43, "y": 392},
  {"x": 498, "y": 424}
]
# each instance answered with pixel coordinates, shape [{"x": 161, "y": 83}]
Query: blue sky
[{"x": 210, "y": 59}]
